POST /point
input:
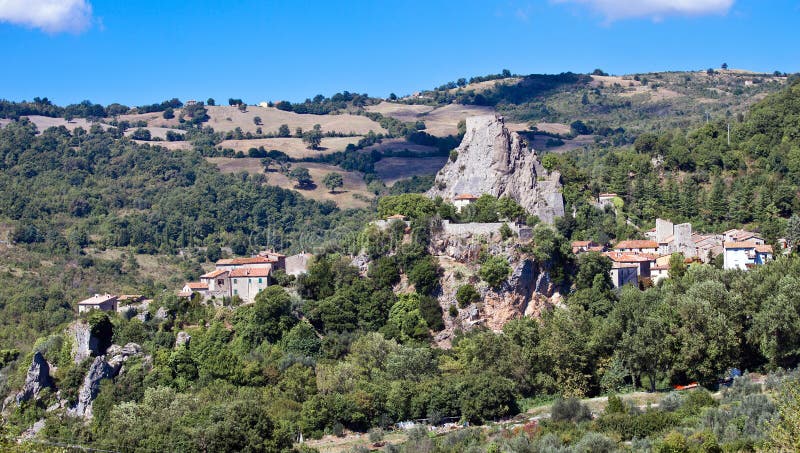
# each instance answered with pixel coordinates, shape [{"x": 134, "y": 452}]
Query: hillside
[{"x": 473, "y": 313}]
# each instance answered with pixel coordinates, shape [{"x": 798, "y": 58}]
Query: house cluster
[
  {"x": 634, "y": 260},
  {"x": 110, "y": 302},
  {"x": 244, "y": 277}
]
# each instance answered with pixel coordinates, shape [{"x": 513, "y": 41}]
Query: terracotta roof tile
[
  {"x": 251, "y": 272},
  {"x": 214, "y": 274},
  {"x": 197, "y": 285},
  {"x": 637, "y": 244},
  {"x": 740, "y": 245},
  {"x": 465, "y": 196}
]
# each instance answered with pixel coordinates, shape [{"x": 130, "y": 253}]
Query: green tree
[
  {"x": 333, "y": 181},
  {"x": 313, "y": 137},
  {"x": 302, "y": 176},
  {"x": 495, "y": 271},
  {"x": 283, "y": 131},
  {"x": 591, "y": 265}
]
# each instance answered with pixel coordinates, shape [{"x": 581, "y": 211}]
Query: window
[
  {"x": 259, "y": 280},
  {"x": 234, "y": 281},
  {"x": 220, "y": 282},
  {"x": 235, "y": 292}
]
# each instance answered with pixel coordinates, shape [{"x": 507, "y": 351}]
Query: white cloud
[
  {"x": 655, "y": 9},
  {"x": 52, "y": 16}
]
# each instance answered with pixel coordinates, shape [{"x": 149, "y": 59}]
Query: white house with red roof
[{"x": 463, "y": 200}]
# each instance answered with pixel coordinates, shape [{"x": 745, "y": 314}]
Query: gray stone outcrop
[
  {"x": 84, "y": 343},
  {"x": 103, "y": 367},
  {"x": 492, "y": 160},
  {"x": 37, "y": 379},
  {"x": 182, "y": 339}
]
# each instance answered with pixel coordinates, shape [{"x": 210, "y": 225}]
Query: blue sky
[{"x": 138, "y": 52}]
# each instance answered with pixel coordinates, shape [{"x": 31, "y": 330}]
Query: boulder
[
  {"x": 491, "y": 160},
  {"x": 37, "y": 379},
  {"x": 182, "y": 338}
]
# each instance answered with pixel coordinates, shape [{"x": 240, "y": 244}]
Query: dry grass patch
[
  {"x": 225, "y": 118},
  {"x": 399, "y": 144},
  {"x": 344, "y": 196},
  {"x": 160, "y": 132},
  {"x": 403, "y": 112},
  {"x": 294, "y": 147},
  {"x": 443, "y": 121},
  {"x": 153, "y": 119},
  {"x": 392, "y": 169}
]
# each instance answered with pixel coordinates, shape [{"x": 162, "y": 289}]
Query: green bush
[
  {"x": 495, "y": 271},
  {"x": 630, "y": 425},
  {"x": 570, "y": 409},
  {"x": 467, "y": 294}
]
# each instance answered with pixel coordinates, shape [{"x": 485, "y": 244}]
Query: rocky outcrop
[
  {"x": 37, "y": 379},
  {"x": 88, "y": 391},
  {"x": 101, "y": 369},
  {"x": 492, "y": 160},
  {"x": 84, "y": 344},
  {"x": 182, "y": 339}
]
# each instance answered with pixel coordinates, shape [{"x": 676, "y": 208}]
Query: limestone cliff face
[{"x": 492, "y": 160}]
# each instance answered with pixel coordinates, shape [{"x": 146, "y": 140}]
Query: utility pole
[{"x": 729, "y": 134}]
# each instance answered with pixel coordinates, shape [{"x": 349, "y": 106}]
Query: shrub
[
  {"x": 615, "y": 405},
  {"x": 375, "y": 435},
  {"x": 631, "y": 425},
  {"x": 453, "y": 155},
  {"x": 466, "y": 295},
  {"x": 671, "y": 402},
  {"x": 453, "y": 311},
  {"x": 595, "y": 443},
  {"x": 505, "y": 231},
  {"x": 570, "y": 409},
  {"x": 495, "y": 271}
]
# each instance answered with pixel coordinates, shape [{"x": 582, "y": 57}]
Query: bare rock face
[
  {"x": 98, "y": 371},
  {"x": 101, "y": 369},
  {"x": 84, "y": 343},
  {"x": 37, "y": 379},
  {"x": 492, "y": 160}
]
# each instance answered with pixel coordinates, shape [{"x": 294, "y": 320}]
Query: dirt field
[
  {"x": 172, "y": 146},
  {"x": 539, "y": 142},
  {"x": 353, "y": 181},
  {"x": 402, "y": 112},
  {"x": 294, "y": 147},
  {"x": 272, "y": 119},
  {"x": 441, "y": 121},
  {"x": 154, "y": 119},
  {"x": 44, "y": 122},
  {"x": 444, "y": 120},
  {"x": 392, "y": 169},
  {"x": 398, "y": 144}
]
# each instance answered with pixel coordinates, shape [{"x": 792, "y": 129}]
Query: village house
[
  {"x": 579, "y": 247},
  {"x": 637, "y": 246},
  {"x": 745, "y": 255},
  {"x": 743, "y": 236},
  {"x": 463, "y": 200},
  {"x": 243, "y": 277},
  {"x": 623, "y": 274},
  {"x": 385, "y": 223},
  {"x": 642, "y": 261},
  {"x": 658, "y": 273},
  {"x": 103, "y": 302}
]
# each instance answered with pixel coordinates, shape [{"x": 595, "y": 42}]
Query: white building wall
[
  {"x": 736, "y": 259},
  {"x": 247, "y": 287}
]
